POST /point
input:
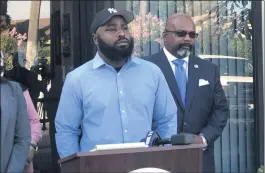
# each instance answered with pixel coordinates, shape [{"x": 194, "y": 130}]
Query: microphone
[
  {"x": 154, "y": 139},
  {"x": 151, "y": 138},
  {"x": 179, "y": 139}
]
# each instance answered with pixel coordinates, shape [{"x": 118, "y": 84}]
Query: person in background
[
  {"x": 195, "y": 85},
  {"x": 115, "y": 97},
  {"x": 27, "y": 78},
  {"x": 24, "y": 77},
  {"x": 36, "y": 132},
  {"x": 15, "y": 127},
  {"x": 19, "y": 73}
]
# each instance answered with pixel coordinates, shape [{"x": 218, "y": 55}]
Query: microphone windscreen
[
  {"x": 151, "y": 138},
  {"x": 182, "y": 139}
]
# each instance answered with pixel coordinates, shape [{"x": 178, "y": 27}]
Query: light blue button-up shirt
[{"x": 113, "y": 107}]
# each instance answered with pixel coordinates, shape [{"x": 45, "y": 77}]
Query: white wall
[{"x": 24, "y": 9}]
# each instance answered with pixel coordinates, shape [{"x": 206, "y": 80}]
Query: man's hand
[
  {"x": 197, "y": 140},
  {"x": 23, "y": 37},
  {"x": 30, "y": 155}
]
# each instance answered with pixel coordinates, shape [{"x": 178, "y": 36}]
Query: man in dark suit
[{"x": 194, "y": 84}]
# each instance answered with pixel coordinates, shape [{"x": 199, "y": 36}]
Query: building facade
[{"x": 231, "y": 35}]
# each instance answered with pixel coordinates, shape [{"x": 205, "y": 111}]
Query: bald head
[
  {"x": 179, "y": 35},
  {"x": 179, "y": 21}
]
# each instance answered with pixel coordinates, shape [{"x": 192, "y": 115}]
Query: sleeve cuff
[{"x": 205, "y": 143}]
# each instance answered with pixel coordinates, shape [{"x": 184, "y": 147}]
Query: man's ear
[
  {"x": 95, "y": 39},
  {"x": 164, "y": 36}
]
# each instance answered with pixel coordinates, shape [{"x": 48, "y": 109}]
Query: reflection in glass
[{"x": 225, "y": 38}]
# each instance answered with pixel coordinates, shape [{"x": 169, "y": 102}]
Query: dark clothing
[
  {"x": 206, "y": 109},
  {"x": 27, "y": 79}
]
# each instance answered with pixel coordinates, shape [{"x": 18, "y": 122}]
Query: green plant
[
  {"x": 9, "y": 48},
  {"x": 8, "y": 45},
  {"x": 242, "y": 47},
  {"x": 261, "y": 169},
  {"x": 216, "y": 40},
  {"x": 44, "y": 52}
]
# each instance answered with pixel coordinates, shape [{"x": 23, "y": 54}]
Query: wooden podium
[{"x": 182, "y": 159}]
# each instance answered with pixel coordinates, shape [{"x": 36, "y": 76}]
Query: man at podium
[{"x": 115, "y": 97}]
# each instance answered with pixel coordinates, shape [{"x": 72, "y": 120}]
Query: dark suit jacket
[{"x": 206, "y": 108}]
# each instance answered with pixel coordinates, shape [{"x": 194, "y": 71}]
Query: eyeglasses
[{"x": 182, "y": 33}]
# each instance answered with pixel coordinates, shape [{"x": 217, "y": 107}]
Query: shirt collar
[
  {"x": 98, "y": 61},
  {"x": 171, "y": 57}
]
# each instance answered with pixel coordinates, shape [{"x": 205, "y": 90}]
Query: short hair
[{"x": 7, "y": 20}]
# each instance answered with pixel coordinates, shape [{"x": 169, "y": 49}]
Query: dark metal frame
[{"x": 257, "y": 48}]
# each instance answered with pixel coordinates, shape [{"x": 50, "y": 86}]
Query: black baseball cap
[{"x": 106, "y": 14}]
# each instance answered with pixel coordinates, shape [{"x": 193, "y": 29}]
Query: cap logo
[{"x": 112, "y": 10}]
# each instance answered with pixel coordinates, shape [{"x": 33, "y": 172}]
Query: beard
[
  {"x": 116, "y": 52},
  {"x": 184, "y": 50},
  {"x": 183, "y": 53}
]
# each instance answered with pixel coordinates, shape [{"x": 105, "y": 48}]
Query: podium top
[{"x": 130, "y": 150}]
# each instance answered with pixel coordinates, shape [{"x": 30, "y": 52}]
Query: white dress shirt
[{"x": 171, "y": 58}]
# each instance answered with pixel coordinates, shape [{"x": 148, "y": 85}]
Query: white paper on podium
[{"x": 119, "y": 146}]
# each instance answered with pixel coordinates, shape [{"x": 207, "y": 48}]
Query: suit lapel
[
  {"x": 193, "y": 79},
  {"x": 164, "y": 65}
]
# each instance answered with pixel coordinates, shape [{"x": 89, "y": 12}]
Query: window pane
[{"x": 225, "y": 38}]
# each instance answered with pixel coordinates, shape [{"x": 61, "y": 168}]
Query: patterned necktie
[{"x": 181, "y": 78}]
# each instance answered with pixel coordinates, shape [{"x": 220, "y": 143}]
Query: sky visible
[{"x": 21, "y": 9}]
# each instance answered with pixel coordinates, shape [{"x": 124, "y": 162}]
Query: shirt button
[
  {"x": 121, "y": 92},
  {"x": 123, "y": 111},
  {"x": 118, "y": 74},
  {"x": 185, "y": 123},
  {"x": 125, "y": 131}
]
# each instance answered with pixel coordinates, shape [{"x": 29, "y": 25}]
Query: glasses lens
[
  {"x": 193, "y": 35},
  {"x": 181, "y": 33}
]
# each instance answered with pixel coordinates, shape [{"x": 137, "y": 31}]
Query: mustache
[
  {"x": 186, "y": 45},
  {"x": 122, "y": 40}
]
